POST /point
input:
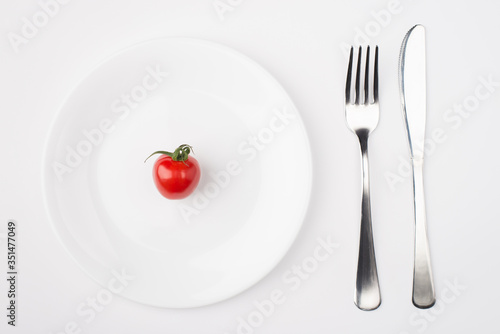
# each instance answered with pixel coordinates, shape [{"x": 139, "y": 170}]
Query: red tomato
[{"x": 176, "y": 179}]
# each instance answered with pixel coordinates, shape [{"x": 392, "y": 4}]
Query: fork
[{"x": 362, "y": 115}]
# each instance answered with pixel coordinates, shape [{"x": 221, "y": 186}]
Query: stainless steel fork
[{"x": 362, "y": 115}]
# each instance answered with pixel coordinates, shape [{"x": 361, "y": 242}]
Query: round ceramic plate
[{"x": 252, "y": 149}]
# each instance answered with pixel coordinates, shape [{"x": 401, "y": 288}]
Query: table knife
[{"x": 412, "y": 81}]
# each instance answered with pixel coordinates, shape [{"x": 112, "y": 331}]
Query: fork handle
[
  {"x": 423, "y": 286},
  {"x": 367, "y": 294}
]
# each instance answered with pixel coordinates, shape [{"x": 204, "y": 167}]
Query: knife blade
[{"x": 412, "y": 80}]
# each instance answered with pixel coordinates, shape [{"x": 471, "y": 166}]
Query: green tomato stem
[{"x": 181, "y": 153}]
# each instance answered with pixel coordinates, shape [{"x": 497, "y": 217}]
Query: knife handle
[{"x": 423, "y": 286}]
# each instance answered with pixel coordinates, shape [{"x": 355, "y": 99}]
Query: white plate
[{"x": 236, "y": 226}]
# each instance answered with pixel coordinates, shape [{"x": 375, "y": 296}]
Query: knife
[{"x": 412, "y": 84}]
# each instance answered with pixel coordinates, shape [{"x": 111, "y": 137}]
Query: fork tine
[
  {"x": 348, "y": 80},
  {"x": 367, "y": 75},
  {"x": 358, "y": 68},
  {"x": 375, "y": 77}
]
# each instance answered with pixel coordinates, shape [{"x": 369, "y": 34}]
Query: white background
[{"x": 300, "y": 43}]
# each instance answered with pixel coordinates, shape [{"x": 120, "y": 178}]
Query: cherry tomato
[{"x": 176, "y": 175}]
